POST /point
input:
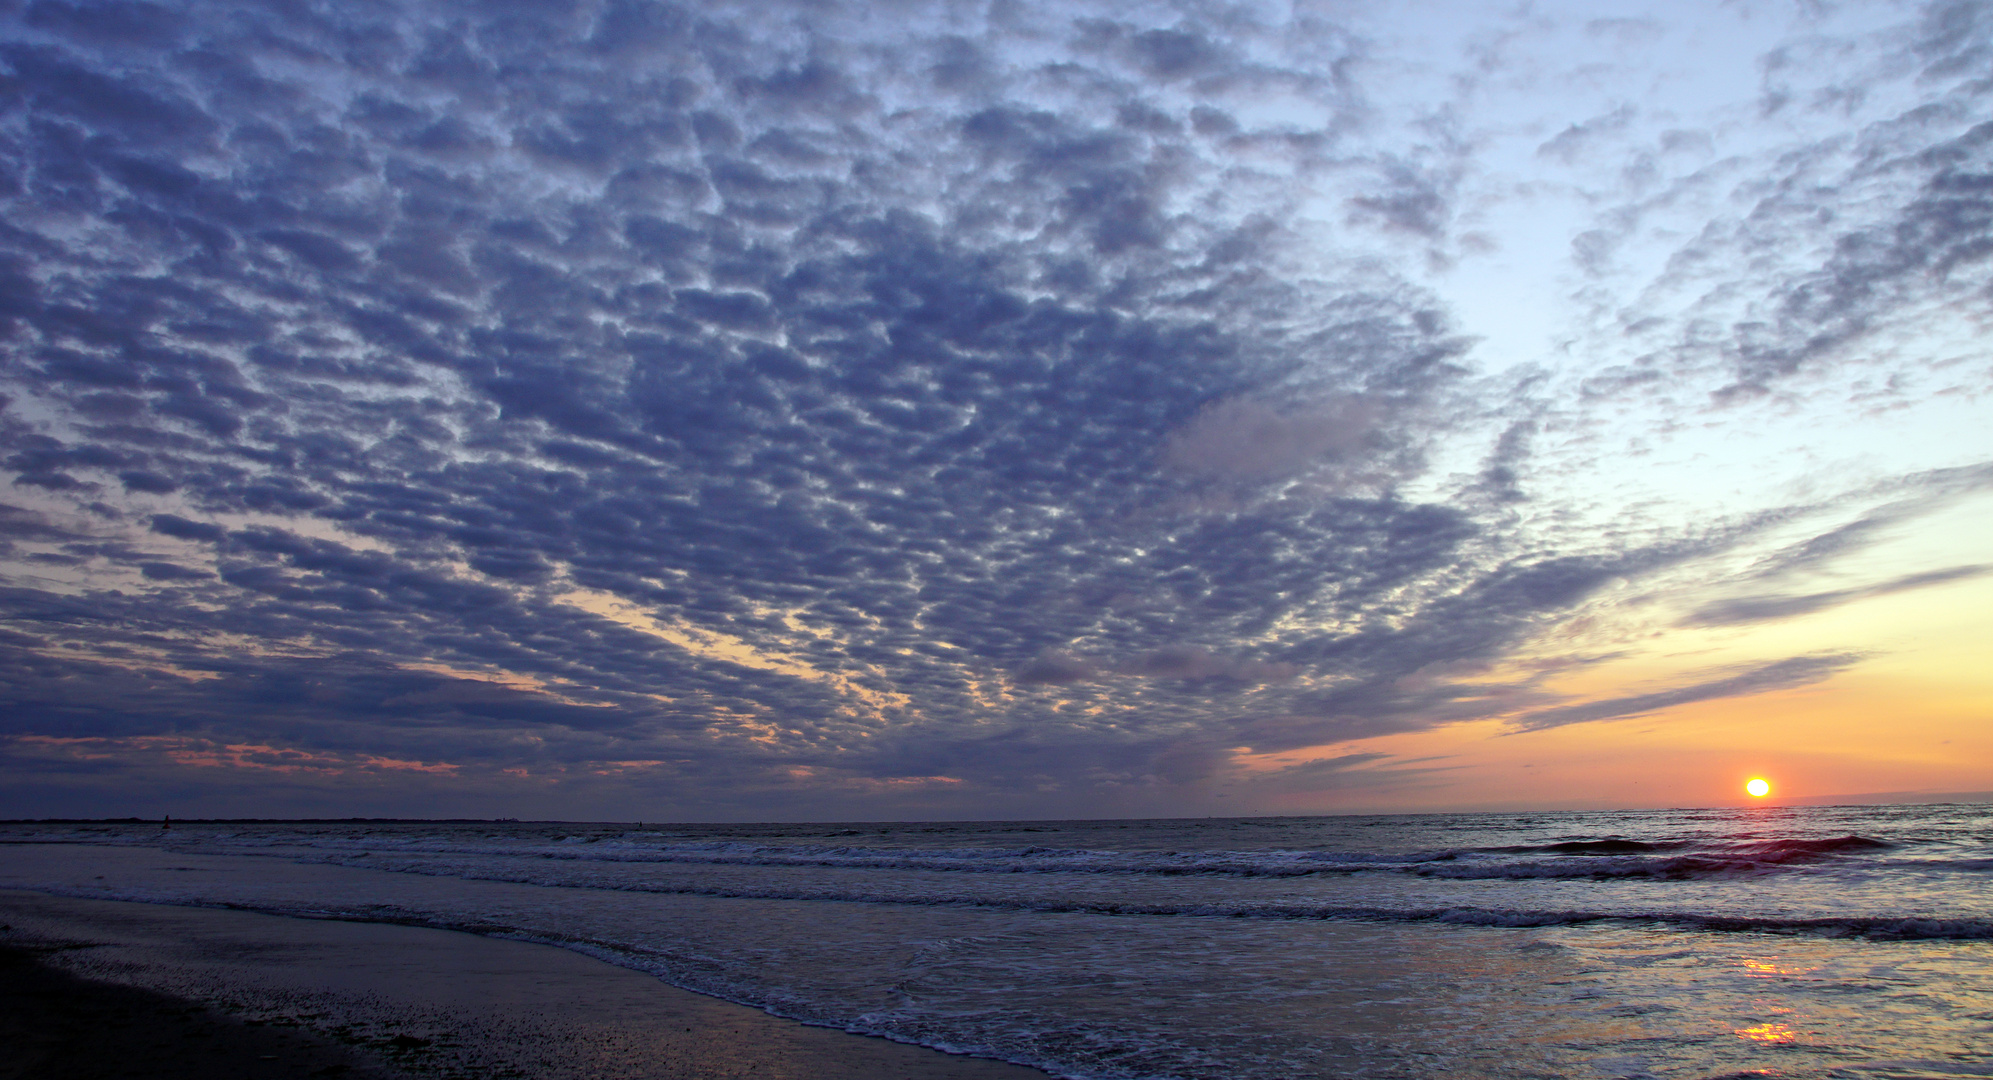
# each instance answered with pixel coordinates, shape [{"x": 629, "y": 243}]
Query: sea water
[{"x": 1787, "y": 942}]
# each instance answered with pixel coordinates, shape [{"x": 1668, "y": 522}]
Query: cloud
[
  {"x": 1575, "y": 141},
  {"x": 1784, "y": 674},
  {"x": 1182, "y": 662},
  {"x": 1747, "y": 609},
  {"x": 393, "y": 363},
  {"x": 1169, "y": 662},
  {"x": 1917, "y": 234},
  {"x": 1356, "y": 771},
  {"x": 19, "y": 523},
  {"x": 1317, "y": 768},
  {"x": 1246, "y": 441},
  {"x": 1908, "y": 497},
  {"x": 772, "y": 397},
  {"x": 1052, "y": 668}
]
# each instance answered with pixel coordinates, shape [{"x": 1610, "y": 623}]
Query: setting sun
[{"x": 1759, "y": 787}]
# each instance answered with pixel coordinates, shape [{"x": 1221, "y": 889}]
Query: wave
[
  {"x": 1830, "y": 846},
  {"x": 1602, "y": 859},
  {"x": 1784, "y": 848},
  {"x": 1024, "y": 860},
  {"x": 1597, "y": 860},
  {"x": 1613, "y": 846},
  {"x": 1875, "y": 927},
  {"x": 1580, "y": 858}
]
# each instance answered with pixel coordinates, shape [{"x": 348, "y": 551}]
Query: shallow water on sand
[{"x": 1810, "y": 942}]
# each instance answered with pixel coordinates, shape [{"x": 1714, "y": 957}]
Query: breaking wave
[{"x": 1576, "y": 859}]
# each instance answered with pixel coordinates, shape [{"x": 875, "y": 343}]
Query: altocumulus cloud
[{"x": 787, "y": 408}]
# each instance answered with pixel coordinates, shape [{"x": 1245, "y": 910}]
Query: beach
[
  {"x": 57, "y": 1026},
  {"x": 113, "y": 988}
]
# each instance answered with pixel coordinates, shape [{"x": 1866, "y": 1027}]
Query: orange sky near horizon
[{"x": 1913, "y": 717}]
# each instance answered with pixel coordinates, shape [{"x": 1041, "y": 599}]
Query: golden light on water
[{"x": 1759, "y": 787}]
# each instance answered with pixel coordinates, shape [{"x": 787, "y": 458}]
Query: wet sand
[{"x": 107, "y": 989}]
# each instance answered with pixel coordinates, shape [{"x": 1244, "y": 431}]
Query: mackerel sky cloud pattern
[{"x": 676, "y": 410}]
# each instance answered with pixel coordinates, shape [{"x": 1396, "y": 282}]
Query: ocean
[{"x": 1762, "y": 941}]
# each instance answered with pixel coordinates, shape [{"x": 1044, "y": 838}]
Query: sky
[{"x": 621, "y": 410}]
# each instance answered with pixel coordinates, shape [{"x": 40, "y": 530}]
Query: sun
[{"x": 1759, "y": 787}]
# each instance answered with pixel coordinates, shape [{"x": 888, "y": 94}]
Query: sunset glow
[{"x": 1758, "y": 787}]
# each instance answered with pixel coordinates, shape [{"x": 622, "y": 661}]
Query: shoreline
[{"x": 132, "y": 984}]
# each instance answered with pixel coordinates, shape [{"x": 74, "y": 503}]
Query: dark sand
[
  {"x": 98, "y": 988},
  {"x": 56, "y": 1026}
]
